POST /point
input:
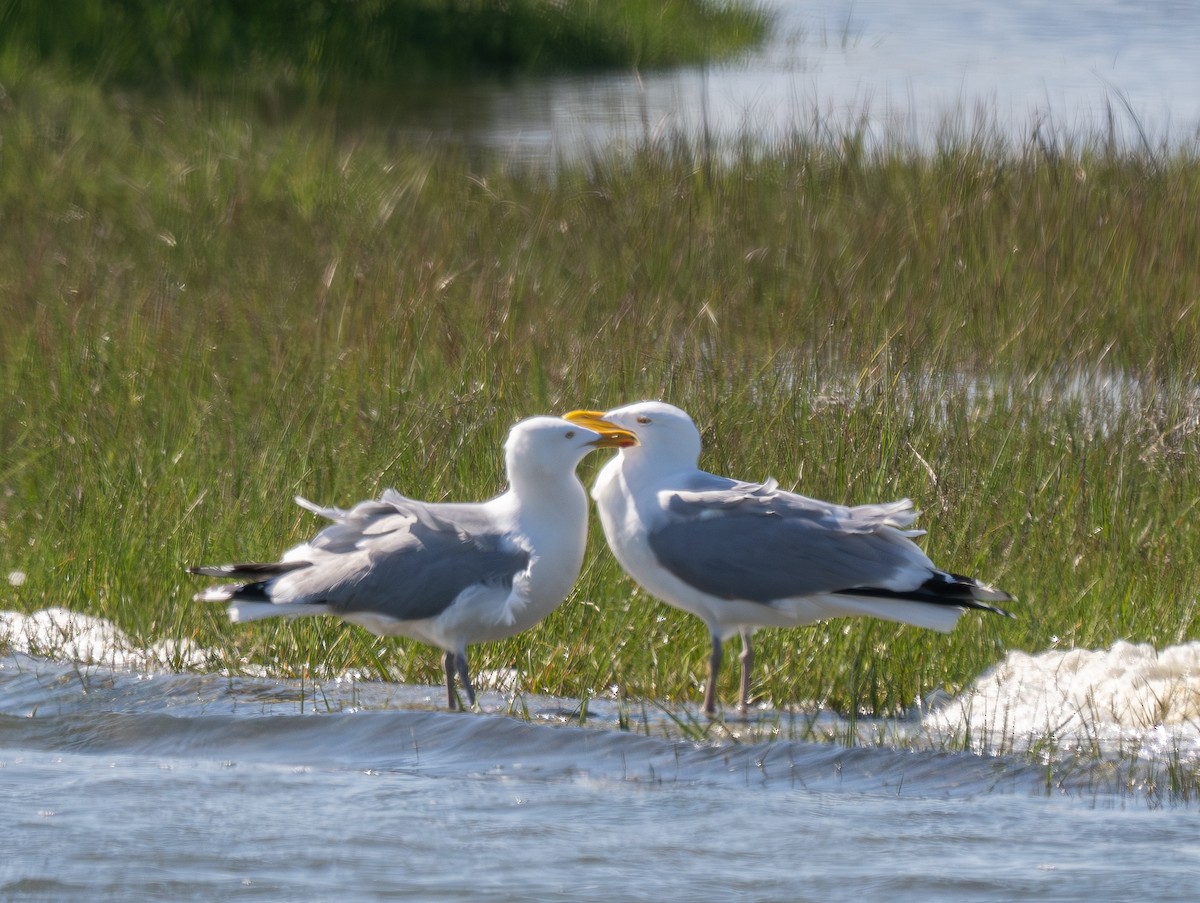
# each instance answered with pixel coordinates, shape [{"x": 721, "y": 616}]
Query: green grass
[
  {"x": 206, "y": 313},
  {"x": 344, "y": 45}
]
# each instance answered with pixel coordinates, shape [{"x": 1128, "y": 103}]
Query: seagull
[
  {"x": 444, "y": 573},
  {"x": 742, "y": 555}
]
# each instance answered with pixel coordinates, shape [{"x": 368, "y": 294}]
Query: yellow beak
[{"x": 611, "y": 435}]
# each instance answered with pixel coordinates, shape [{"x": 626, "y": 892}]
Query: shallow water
[
  {"x": 131, "y": 783},
  {"x": 121, "y": 781},
  {"x": 1025, "y": 71}
]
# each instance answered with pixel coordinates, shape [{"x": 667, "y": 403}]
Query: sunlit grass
[
  {"x": 325, "y": 48},
  {"x": 207, "y": 314}
]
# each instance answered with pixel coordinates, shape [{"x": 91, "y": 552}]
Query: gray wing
[
  {"x": 750, "y": 541},
  {"x": 391, "y": 512},
  {"x": 403, "y": 558}
]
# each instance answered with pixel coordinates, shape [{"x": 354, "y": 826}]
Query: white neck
[{"x": 641, "y": 466}]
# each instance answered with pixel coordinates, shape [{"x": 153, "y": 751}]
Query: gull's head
[
  {"x": 664, "y": 432},
  {"x": 552, "y": 445}
]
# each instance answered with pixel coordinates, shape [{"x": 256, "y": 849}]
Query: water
[
  {"x": 120, "y": 780},
  {"x": 133, "y": 783},
  {"x": 1026, "y": 71}
]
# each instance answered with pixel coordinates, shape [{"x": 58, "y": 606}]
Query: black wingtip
[
  {"x": 975, "y": 605},
  {"x": 248, "y": 570},
  {"x": 953, "y": 590}
]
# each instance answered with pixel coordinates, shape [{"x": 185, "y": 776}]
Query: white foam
[
  {"x": 64, "y": 635},
  {"x": 1128, "y": 694},
  {"x": 59, "y": 633}
]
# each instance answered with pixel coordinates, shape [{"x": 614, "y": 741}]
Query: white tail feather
[
  {"x": 941, "y": 618},
  {"x": 241, "y": 612}
]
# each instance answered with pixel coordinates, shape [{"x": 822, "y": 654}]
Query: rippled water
[
  {"x": 1025, "y": 71},
  {"x": 122, "y": 781},
  {"x": 132, "y": 783}
]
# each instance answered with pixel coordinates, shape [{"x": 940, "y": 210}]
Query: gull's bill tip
[{"x": 611, "y": 435}]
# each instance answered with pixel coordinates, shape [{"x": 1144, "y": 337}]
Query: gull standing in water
[
  {"x": 745, "y": 555},
  {"x": 448, "y": 574}
]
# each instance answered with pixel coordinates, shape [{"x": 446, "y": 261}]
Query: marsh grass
[
  {"x": 332, "y": 48},
  {"x": 207, "y": 313}
]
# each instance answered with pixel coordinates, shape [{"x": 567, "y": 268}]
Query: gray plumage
[
  {"x": 407, "y": 559},
  {"x": 449, "y": 573},
  {"x": 749, "y": 541},
  {"x": 744, "y": 555},
  {"x": 394, "y": 557}
]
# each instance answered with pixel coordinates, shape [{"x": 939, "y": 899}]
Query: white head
[
  {"x": 665, "y": 434},
  {"x": 543, "y": 448}
]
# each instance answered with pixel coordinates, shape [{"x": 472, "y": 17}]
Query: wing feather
[
  {"x": 754, "y": 542},
  {"x": 393, "y": 556}
]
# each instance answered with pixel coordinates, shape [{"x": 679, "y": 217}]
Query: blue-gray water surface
[
  {"x": 1029, "y": 73},
  {"x": 129, "y": 784},
  {"x": 150, "y": 786}
]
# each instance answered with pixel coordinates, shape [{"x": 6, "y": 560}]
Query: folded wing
[
  {"x": 753, "y": 542},
  {"x": 394, "y": 557}
]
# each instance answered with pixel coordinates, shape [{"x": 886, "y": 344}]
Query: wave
[
  {"x": 1129, "y": 705},
  {"x": 1127, "y": 695},
  {"x": 55, "y": 707}
]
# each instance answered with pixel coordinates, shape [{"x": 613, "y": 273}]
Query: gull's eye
[
  {"x": 643, "y": 419},
  {"x": 570, "y": 434}
]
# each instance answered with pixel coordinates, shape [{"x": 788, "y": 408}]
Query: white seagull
[
  {"x": 447, "y": 574},
  {"x": 745, "y": 555}
]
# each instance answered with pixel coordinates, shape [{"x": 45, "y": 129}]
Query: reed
[{"x": 207, "y": 312}]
